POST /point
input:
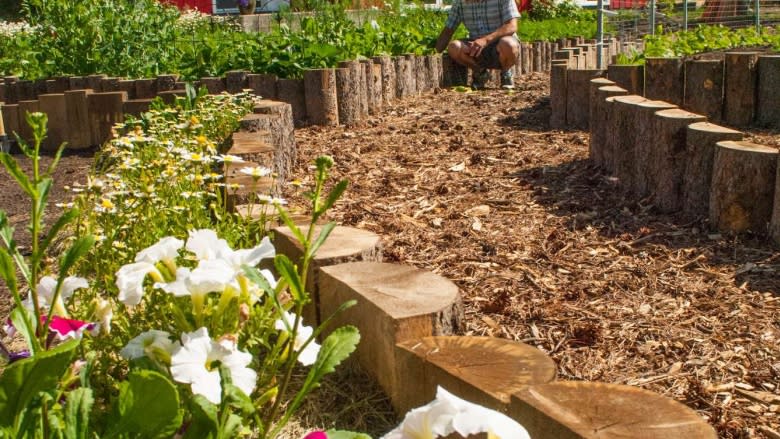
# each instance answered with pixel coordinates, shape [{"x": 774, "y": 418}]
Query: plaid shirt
[{"x": 481, "y": 17}]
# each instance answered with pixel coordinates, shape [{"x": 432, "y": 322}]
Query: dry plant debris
[{"x": 548, "y": 251}]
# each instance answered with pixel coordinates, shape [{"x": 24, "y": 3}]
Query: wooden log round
[
  {"x": 420, "y": 75},
  {"x": 292, "y": 91},
  {"x": 453, "y": 74},
  {"x": 630, "y": 77},
  {"x": 80, "y": 83},
  {"x": 93, "y": 82},
  {"x": 558, "y": 84},
  {"x": 664, "y": 79},
  {"x": 774, "y": 223},
  {"x": 619, "y": 151},
  {"x": 276, "y": 118},
  {"x": 768, "y": 108},
  {"x": 577, "y": 96},
  {"x": 263, "y": 85},
  {"x": 482, "y": 370},
  {"x": 666, "y": 164},
  {"x": 743, "y": 187},
  {"x": 358, "y": 76},
  {"x": 704, "y": 87},
  {"x": 395, "y": 304},
  {"x": 741, "y": 80},
  {"x": 104, "y": 111},
  {"x": 700, "y": 142},
  {"x": 345, "y": 244},
  {"x": 388, "y": 78},
  {"x": 214, "y": 84},
  {"x": 594, "y": 85},
  {"x": 56, "y": 111},
  {"x": 10, "y": 115},
  {"x": 242, "y": 189},
  {"x": 347, "y": 97},
  {"x": 537, "y": 57},
  {"x": 79, "y": 134},
  {"x": 581, "y": 409},
  {"x": 526, "y": 58},
  {"x": 320, "y": 93},
  {"x": 162, "y": 82},
  {"x": 433, "y": 64},
  {"x": 643, "y": 143},
  {"x": 236, "y": 81},
  {"x": 599, "y": 119},
  {"x": 411, "y": 61},
  {"x": 373, "y": 77}
]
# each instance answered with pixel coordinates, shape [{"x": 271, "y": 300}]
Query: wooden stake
[
  {"x": 347, "y": 98},
  {"x": 599, "y": 122},
  {"x": 768, "y": 110},
  {"x": 321, "y": 98},
  {"x": 482, "y": 370},
  {"x": 700, "y": 143},
  {"x": 704, "y": 87},
  {"x": 741, "y": 81},
  {"x": 577, "y": 97},
  {"x": 666, "y": 162},
  {"x": 743, "y": 187},
  {"x": 581, "y": 409},
  {"x": 664, "y": 79},
  {"x": 643, "y": 140}
]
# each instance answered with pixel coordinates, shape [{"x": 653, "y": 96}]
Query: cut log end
[{"x": 576, "y": 409}]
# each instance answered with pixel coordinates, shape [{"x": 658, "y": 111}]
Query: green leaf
[
  {"x": 333, "y": 196},
  {"x": 24, "y": 380},
  {"x": 148, "y": 406},
  {"x": 324, "y": 233},
  {"x": 204, "y": 419},
  {"x": 342, "y": 434},
  {"x": 335, "y": 349},
  {"x": 16, "y": 172},
  {"x": 258, "y": 279},
  {"x": 43, "y": 188},
  {"x": 77, "y": 409},
  {"x": 79, "y": 248},
  {"x": 61, "y": 222},
  {"x": 19, "y": 316},
  {"x": 7, "y": 270},
  {"x": 286, "y": 269},
  {"x": 296, "y": 231}
]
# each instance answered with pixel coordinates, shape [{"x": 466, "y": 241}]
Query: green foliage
[
  {"x": 550, "y": 9},
  {"x": 148, "y": 406},
  {"x": 114, "y": 37},
  {"x": 702, "y": 39},
  {"x": 22, "y": 384}
]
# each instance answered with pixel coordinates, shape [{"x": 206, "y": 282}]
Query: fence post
[
  {"x": 651, "y": 21},
  {"x": 757, "y": 9},
  {"x": 600, "y": 34},
  {"x": 685, "y": 15}
]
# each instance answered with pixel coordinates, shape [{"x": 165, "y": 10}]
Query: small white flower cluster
[{"x": 9, "y": 29}]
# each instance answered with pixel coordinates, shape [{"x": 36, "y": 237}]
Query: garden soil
[{"x": 548, "y": 251}]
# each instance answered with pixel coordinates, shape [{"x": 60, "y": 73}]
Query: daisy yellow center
[{"x": 106, "y": 204}]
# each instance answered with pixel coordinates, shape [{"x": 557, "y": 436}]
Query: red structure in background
[
  {"x": 204, "y": 6},
  {"x": 627, "y": 4}
]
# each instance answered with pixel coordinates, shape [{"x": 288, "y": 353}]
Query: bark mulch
[{"x": 548, "y": 251}]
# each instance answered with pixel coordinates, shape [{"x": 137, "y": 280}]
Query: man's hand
[{"x": 474, "y": 49}]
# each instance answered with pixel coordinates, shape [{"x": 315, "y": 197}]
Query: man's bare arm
[
  {"x": 506, "y": 29},
  {"x": 444, "y": 38}
]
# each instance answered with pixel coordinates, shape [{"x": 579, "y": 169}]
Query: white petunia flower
[
  {"x": 195, "y": 362},
  {"x": 205, "y": 244},
  {"x": 104, "y": 312},
  {"x": 130, "y": 281},
  {"x": 46, "y": 288},
  {"x": 165, "y": 250},
  {"x": 449, "y": 414},
  {"x": 152, "y": 342},
  {"x": 308, "y": 355}
]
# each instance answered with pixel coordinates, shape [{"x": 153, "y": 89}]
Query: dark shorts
[{"x": 488, "y": 59}]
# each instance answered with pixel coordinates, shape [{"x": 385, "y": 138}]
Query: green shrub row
[{"x": 143, "y": 38}]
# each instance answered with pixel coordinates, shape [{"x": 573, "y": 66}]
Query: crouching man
[{"x": 492, "y": 41}]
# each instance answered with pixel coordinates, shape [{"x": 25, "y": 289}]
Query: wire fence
[{"x": 641, "y": 17}]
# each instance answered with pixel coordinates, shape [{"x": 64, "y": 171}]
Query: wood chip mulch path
[{"x": 548, "y": 251}]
